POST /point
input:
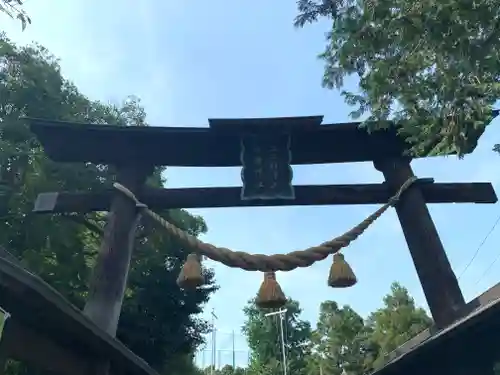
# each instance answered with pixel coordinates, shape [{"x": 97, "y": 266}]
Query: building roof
[{"x": 34, "y": 304}]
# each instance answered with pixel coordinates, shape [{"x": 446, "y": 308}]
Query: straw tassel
[
  {"x": 270, "y": 295},
  {"x": 191, "y": 275},
  {"x": 341, "y": 274}
]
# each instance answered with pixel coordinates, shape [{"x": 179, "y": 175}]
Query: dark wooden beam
[
  {"x": 218, "y": 145},
  {"x": 230, "y": 197},
  {"x": 35, "y": 304},
  {"x": 108, "y": 284},
  {"x": 273, "y": 124},
  {"x": 24, "y": 344},
  {"x": 204, "y": 147},
  {"x": 437, "y": 278}
]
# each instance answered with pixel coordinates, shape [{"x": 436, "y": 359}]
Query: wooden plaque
[{"x": 266, "y": 173}]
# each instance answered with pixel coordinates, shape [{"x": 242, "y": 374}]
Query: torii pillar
[{"x": 438, "y": 280}]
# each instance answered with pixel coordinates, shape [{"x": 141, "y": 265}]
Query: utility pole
[
  {"x": 214, "y": 343},
  {"x": 281, "y": 314},
  {"x": 234, "y": 354}
]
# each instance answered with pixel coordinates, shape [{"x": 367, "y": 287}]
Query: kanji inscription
[{"x": 266, "y": 173}]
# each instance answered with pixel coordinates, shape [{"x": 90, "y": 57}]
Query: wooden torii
[{"x": 266, "y": 148}]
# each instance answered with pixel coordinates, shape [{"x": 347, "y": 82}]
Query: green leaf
[
  {"x": 159, "y": 321},
  {"x": 432, "y": 67}
]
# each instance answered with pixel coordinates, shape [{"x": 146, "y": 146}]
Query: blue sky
[{"x": 191, "y": 60}]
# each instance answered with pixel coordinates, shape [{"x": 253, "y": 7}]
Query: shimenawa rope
[{"x": 268, "y": 263}]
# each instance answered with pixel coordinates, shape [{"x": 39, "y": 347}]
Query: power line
[
  {"x": 477, "y": 252},
  {"x": 222, "y": 355},
  {"x": 487, "y": 270}
]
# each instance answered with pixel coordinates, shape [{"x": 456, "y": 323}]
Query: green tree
[
  {"x": 13, "y": 9},
  {"x": 239, "y": 371},
  {"x": 264, "y": 340},
  {"x": 396, "y": 322},
  {"x": 230, "y": 370},
  {"x": 338, "y": 342},
  {"x": 226, "y": 370},
  {"x": 431, "y": 66},
  {"x": 159, "y": 321},
  {"x": 183, "y": 365}
]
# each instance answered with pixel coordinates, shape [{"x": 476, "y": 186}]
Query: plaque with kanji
[{"x": 266, "y": 173}]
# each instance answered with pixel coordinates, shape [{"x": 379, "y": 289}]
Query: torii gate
[{"x": 266, "y": 148}]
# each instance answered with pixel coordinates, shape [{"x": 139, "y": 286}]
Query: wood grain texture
[{"x": 158, "y": 199}]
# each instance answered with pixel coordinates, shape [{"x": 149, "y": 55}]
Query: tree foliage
[
  {"x": 158, "y": 321},
  {"x": 433, "y": 67},
  {"x": 396, "y": 322},
  {"x": 342, "y": 342},
  {"x": 264, "y": 340},
  {"x": 338, "y": 341},
  {"x": 13, "y": 9},
  {"x": 225, "y": 370}
]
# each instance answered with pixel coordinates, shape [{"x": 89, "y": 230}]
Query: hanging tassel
[
  {"x": 191, "y": 276},
  {"x": 341, "y": 274},
  {"x": 270, "y": 295}
]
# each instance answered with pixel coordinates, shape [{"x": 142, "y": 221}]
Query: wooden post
[
  {"x": 109, "y": 278},
  {"x": 438, "y": 280}
]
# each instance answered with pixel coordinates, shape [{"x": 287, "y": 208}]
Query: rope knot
[
  {"x": 395, "y": 198},
  {"x": 130, "y": 195}
]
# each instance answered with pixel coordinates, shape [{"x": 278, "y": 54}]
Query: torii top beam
[{"x": 214, "y": 146}]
